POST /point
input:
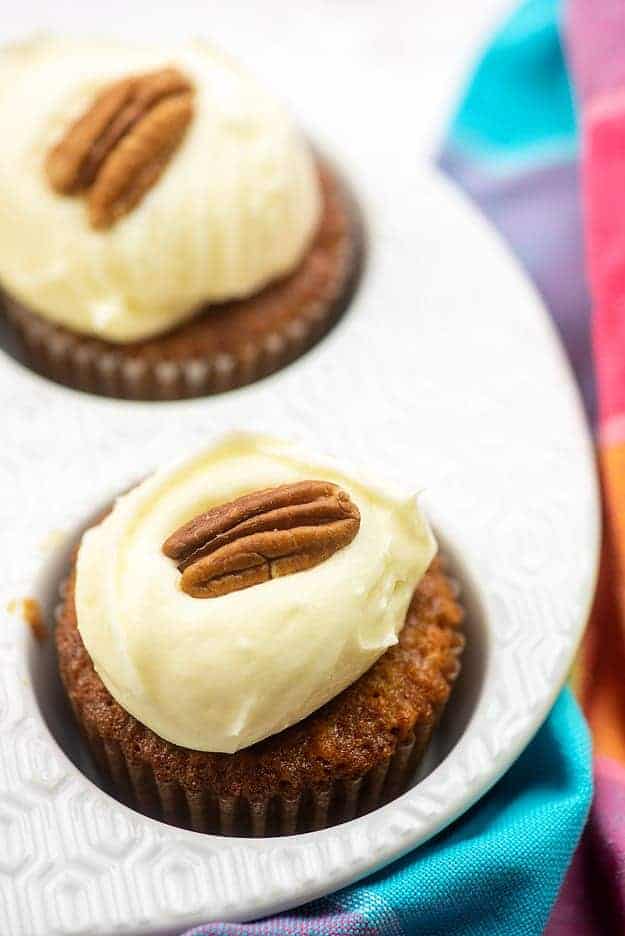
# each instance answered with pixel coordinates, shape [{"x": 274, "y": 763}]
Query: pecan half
[
  {"x": 119, "y": 147},
  {"x": 261, "y": 536}
]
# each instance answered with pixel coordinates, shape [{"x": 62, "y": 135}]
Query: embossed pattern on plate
[{"x": 445, "y": 374}]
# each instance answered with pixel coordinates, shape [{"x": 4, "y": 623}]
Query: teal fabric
[
  {"x": 498, "y": 870},
  {"x": 506, "y": 113}
]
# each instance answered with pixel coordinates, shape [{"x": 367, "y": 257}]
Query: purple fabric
[
  {"x": 310, "y": 921},
  {"x": 592, "y": 900}
]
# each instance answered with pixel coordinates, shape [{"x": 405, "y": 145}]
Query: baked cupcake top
[
  {"x": 138, "y": 183},
  {"x": 232, "y": 594}
]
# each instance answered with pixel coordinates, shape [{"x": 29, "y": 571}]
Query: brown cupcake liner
[
  {"x": 134, "y": 783},
  {"x": 72, "y": 361},
  {"x": 111, "y": 370}
]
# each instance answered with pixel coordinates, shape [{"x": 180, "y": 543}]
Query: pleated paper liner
[
  {"x": 151, "y": 371},
  {"x": 315, "y": 808}
]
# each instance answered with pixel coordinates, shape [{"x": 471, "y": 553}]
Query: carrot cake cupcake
[
  {"x": 254, "y": 642},
  {"x": 165, "y": 230}
]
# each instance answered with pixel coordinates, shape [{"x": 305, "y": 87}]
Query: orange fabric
[{"x": 599, "y": 676}]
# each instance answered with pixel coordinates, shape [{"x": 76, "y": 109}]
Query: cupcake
[
  {"x": 165, "y": 230},
  {"x": 254, "y": 642}
]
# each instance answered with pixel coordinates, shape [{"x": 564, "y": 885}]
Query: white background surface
[{"x": 373, "y": 58}]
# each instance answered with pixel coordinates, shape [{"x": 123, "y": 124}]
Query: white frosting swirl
[
  {"x": 235, "y": 208},
  {"x": 218, "y": 674}
]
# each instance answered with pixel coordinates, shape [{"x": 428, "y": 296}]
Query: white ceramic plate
[{"x": 446, "y": 375}]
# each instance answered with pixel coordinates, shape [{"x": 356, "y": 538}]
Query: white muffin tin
[{"x": 445, "y": 375}]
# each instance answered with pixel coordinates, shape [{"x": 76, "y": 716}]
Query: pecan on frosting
[
  {"x": 119, "y": 147},
  {"x": 261, "y": 536}
]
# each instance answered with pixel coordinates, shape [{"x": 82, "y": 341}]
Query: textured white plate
[{"x": 445, "y": 375}]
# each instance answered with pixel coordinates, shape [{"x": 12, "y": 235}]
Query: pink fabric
[
  {"x": 597, "y": 39},
  {"x": 604, "y": 196},
  {"x": 596, "y": 51}
]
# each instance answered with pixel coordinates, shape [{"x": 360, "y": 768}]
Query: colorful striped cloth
[{"x": 514, "y": 146}]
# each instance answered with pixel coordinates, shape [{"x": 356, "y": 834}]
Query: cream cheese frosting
[
  {"x": 219, "y": 674},
  {"x": 235, "y": 208}
]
